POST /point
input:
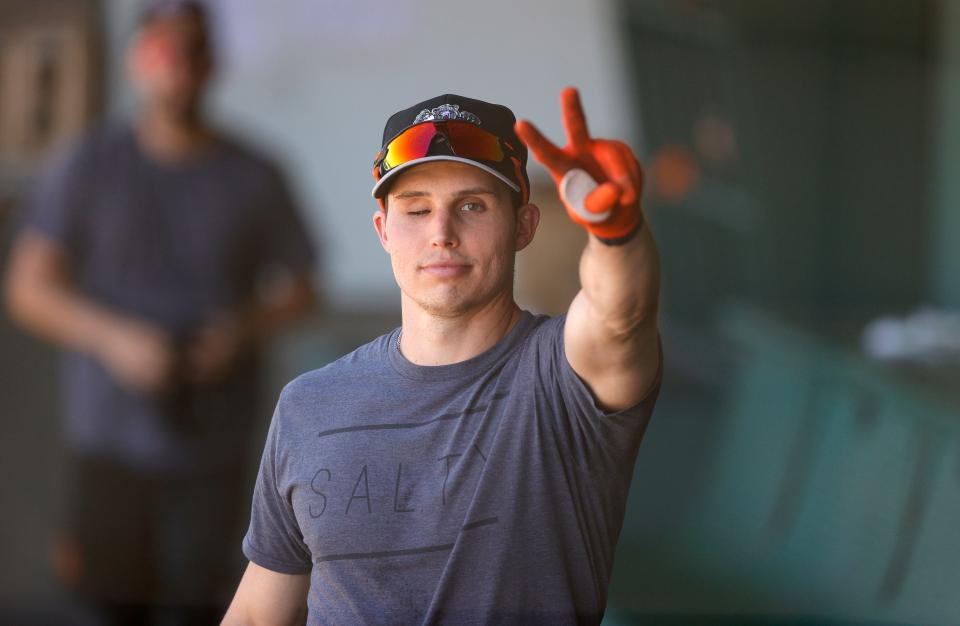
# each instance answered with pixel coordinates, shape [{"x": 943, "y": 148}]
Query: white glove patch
[{"x": 575, "y": 186}]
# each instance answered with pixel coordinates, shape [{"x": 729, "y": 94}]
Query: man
[
  {"x": 160, "y": 255},
  {"x": 472, "y": 466}
]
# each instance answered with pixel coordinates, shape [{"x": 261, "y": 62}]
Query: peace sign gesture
[{"x": 599, "y": 180}]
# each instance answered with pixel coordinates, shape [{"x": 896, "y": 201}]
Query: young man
[
  {"x": 470, "y": 467},
  {"x": 159, "y": 254}
]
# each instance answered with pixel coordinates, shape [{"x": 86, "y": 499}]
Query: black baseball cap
[{"x": 495, "y": 119}]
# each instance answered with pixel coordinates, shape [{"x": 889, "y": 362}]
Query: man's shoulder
[
  {"x": 243, "y": 153},
  {"x": 95, "y": 143},
  {"x": 547, "y": 323},
  {"x": 342, "y": 376},
  {"x": 544, "y": 328}
]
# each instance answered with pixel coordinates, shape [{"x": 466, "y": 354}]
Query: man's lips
[{"x": 445, "y": 269}]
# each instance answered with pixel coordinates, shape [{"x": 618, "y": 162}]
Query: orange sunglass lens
[
  {"x": 465, "y": 139},
  {"x": 474, "y": 143},
  {"x": 411, "y": 144}
]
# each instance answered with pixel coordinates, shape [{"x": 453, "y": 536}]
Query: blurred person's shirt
[{"x": 172, "y": 244}]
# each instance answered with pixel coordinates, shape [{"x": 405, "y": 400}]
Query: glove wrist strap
[{"x": 619, "y": 241}]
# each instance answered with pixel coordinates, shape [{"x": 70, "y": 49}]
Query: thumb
[{"x": 603, "y": 198}]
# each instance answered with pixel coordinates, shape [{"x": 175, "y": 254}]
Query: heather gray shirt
[
  {"x": 174, "y": 244},
  {"x": 490, "y": 491}
]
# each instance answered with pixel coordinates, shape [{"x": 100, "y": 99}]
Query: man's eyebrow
[
  {"x": 410, "y": 194},
  {"x": 476, "y": 191}
]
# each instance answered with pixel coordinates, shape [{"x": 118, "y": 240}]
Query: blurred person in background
[
  {"x": 471, "y": 466},
  {"x": 160, "y": 254}
]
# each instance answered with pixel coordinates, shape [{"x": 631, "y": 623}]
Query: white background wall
[{"x": 313, "y": 82}]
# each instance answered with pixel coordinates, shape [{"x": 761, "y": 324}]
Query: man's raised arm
[
  {"x": 611, "y": 336},
  {"x": 268, "y": 598}
]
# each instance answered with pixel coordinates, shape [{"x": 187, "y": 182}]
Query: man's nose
[{"x": 444, "y": 233}]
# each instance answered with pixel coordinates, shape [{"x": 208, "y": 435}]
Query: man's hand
[
  {"x": 610, "y": 336},
  {"x": 41, "y": 296},
  {"x": 607, "y": 206},
  {"x": 138, "y": 355},
  {"x": 214, "y": 349}
]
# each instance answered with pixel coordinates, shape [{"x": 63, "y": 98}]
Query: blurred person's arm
[
  {"x": 217, "y": 344},
  {"x": 265, "y": 597},
  {"x": 40, "y": 297},
  {"x": 611, "y": 337},
  {"x": 286, "y": 261},
  {"x": 282, "y": 300}
]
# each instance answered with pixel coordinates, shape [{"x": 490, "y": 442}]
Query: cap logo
[{"x": 446, "y": 112}]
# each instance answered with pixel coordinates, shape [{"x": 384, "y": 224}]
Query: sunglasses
[{"x": 464, "y": 139}]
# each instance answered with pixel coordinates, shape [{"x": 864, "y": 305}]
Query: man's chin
[
  {"x": 449, "y": 303},
  {"x": 184, "y": 109},
  {"x": 445, "y": 309}
]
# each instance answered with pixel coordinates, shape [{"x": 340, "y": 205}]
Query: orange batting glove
[{"x": 599, "y": 180}]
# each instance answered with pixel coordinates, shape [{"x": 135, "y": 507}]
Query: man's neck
[
  {"x": 167, "y": 138},
  {"x": 428, "y": 339}
]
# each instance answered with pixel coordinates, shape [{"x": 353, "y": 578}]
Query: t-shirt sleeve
[
  {"x": 286, "y": 243},
  {"x": 274, "y": 539},
  {"x": 54, "y": 207},
  {"x": 618, "y": 433}
]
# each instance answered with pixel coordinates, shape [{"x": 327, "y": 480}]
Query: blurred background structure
[{"x": 803, "y": 464}]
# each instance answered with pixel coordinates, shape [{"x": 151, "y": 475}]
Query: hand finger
[
  {"x": 636, "y": 170},
  {"x": 152, "y": 380},
  {"x": 603, "y": 198},
  {"x": 616, "y": 165},
  {"x": 552, "y": 157},
  {"x": 574, "y": 121}
]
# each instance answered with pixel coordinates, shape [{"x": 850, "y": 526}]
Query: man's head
[
  {"x": 170, "y": 61},
  {"x": 454, "y": 128},
  {"x": 453, "y": 174}
]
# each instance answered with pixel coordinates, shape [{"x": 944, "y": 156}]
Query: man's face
[
  {"x": 452, "y": 232},
  {"x": 169, "y": 63}
]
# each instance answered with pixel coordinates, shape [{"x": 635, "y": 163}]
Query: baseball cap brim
[{"x": 378, "y": 189}]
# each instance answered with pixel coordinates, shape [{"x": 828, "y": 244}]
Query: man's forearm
[
  {"x": 40, "y": 298},
  {"x": 622, "y": 283},
  {"x": 268, "y": 598}
]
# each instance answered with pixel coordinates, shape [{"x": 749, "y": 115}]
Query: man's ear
[
  {"x": 528, "y": 218},
  {"x": 380, "y": 225}
]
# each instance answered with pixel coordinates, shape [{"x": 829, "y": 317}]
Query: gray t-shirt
[
  {"x": 490, "y": 491},
  {"x": 174, "y": 244}
]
